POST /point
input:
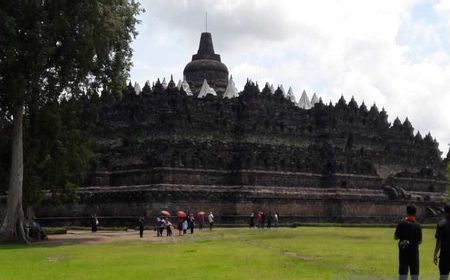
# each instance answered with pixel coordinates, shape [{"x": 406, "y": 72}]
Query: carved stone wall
[{"x": 341, "y": 163}]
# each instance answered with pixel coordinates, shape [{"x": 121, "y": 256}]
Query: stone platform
[{"x": 297, "y": 197}]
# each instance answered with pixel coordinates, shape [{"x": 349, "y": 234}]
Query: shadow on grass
[
  {"x": 16, "y": 246},
  {"x": 46, "y": 244}
]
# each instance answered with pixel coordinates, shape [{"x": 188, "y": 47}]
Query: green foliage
[
  {"x": 51, "y": 47},
  {"x": 56, "y": 57},
  {"x": 301, "y": 253},
  {"x": 58, "y": 151}
]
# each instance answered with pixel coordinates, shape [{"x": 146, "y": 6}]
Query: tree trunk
[{"x": 12, "y": 227}]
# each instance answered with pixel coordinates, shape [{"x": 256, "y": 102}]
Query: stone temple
[{"x": 199, "y": 144}]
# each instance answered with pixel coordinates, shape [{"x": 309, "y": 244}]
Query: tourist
[
  {"x": 185, "y": 225},
  {"x": 157, "y": 222},
  {"x": 263, "y": 219},
  {"x": 211, "y": 220},
  {"x": 168, "y": 227},
  {"x": 201, "y": 220},
  {"x": 180, "y": 226},
  {"x": 275, "y": 219},
  {"x": 94, "y": 223},
  {"x": 161, "y": 225},
  {"x": 409, "y": 236},
  {"x": 269, "y": 220},
  {"x": 141, "y": 226},
  {"x": 258, "y": 218},
  {"x": 35, "y": 231},
  {"x": 252, "y": 220},
  {"x": 442, "y": 249},
  {"x": 191, "y": 223}
]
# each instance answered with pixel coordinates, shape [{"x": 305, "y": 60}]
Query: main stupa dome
[{"x": 206, "y": 64}]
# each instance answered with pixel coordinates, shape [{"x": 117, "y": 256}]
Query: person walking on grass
[
  {"x": 191, "y": 223},
  {"x": 180, "y": 226},
  {"x": 162, "y": 225},
  {"x": 141, "y": 226},
  {"x": 157, "y": 222},
  {"x": 409, "y": 236},
  {"x": 185, "y": 225},
  {"x": 252, "y": 220},
  {"x": 201, "y": 220},
  {"x": 275, "y": 219},
  {"x": 263, "y": 219},
  {"x": 258, "y": 218},
  {"x": 168, "y": 227},
  {"x": 211, "y": 220},
  {"x": 269, "y": 220},
  {"x": 94, "y": 223},
  {"x": 442, "y": 248}
]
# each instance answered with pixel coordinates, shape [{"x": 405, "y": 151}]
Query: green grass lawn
[{"x": 287, "y": 253}]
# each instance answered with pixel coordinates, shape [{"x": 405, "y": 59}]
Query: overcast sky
[{"x": 395, "y": 53}]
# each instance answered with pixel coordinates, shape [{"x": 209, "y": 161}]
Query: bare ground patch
[{"x": 87, "y": 237}]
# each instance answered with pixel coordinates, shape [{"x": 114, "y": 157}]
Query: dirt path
[{"x": 87, "y": 237}]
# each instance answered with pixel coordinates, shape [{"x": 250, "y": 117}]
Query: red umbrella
[
  {"x": 201, "y": 213},
  {"x": 165, "y": 213},
  {"x": 181, "y": 214}
]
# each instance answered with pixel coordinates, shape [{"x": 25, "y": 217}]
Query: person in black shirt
[
  {"x": 252, "y": 220},
  {"x": 409, "y": 236},
  {"x": 442, "y": 249},
  {"x": 94, "y": 223},
  {"x": 191, "y": 223},
  {"x": 141, "y": 226}
]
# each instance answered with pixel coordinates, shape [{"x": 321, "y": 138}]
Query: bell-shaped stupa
[{"x": 206, "y": 65}]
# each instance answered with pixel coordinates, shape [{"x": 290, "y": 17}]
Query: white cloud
[
  {"x": 379, "y": 51},
  {"x": 442, "y": 6}
]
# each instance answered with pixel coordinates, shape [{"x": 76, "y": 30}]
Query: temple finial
[
  {"x": 206, "y": 21},
  {"x": 206, "y": 48}
]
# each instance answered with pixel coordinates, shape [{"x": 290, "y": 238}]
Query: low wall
[{"x": 121, "y": 206}]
